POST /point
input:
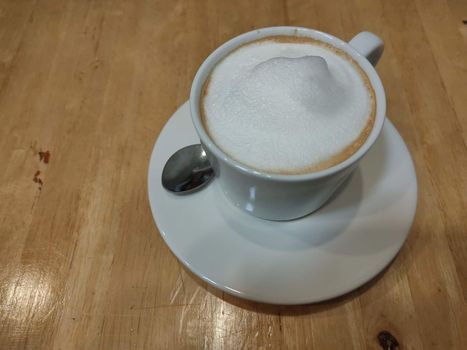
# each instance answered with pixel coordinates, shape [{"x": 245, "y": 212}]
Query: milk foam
[{"x": 286, "y": 107}]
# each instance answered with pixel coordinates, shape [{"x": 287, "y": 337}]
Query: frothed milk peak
[{"x": 288, "y": 105}]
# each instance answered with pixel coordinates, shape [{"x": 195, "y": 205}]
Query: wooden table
[{"x": 82, "y": 265}]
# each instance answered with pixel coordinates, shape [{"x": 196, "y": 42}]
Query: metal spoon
[{"x": 187, "y": 170}]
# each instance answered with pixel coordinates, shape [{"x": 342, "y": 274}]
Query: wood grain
[{"x": 82, "y": 265}]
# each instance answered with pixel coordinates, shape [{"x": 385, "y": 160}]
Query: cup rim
[{"x": 219, "y": 53}]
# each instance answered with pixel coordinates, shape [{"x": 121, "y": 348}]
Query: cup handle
[{"x": 369, "y": 45}]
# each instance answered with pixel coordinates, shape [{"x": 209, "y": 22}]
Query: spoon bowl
[{"x": 187, "y": 170}]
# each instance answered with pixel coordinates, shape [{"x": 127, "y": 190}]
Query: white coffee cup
[{"x": 286, "y": 197}]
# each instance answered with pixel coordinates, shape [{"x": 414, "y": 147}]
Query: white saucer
[{"x": 321, "y": 256}]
